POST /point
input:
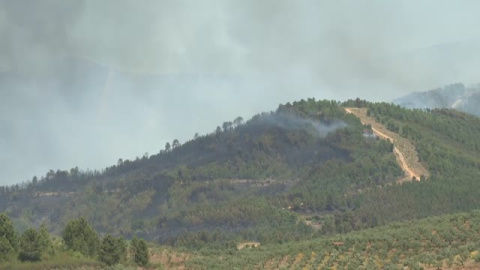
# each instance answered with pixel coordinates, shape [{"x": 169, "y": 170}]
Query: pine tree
[
  {"x": 139, "y": 249},
  {"x": 112, "y": 250},
  {"x": 31, "y": 246},
  {"x": 79, "y": 236},
  {"x": 5, "y": 248},
  {"x": 45, "y": 239},
  {"x": 8, "y": 238}
]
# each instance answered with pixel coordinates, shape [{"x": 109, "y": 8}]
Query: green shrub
[
  {"x": 31, "y": 246},
  {"x": 79, "y": 236},
  {"x": 112, "y": 250},
  {"x": 8, "y": 239},
  {"x": 139, "y": 249}
]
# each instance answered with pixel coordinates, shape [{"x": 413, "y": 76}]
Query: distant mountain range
[{"x": 454, "y": 96}]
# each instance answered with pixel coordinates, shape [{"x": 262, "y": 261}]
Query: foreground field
[
  {"x": 447, "y": 242},
  {"x": 64, "y": 260}
]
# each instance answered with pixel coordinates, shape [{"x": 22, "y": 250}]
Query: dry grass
[
  {"x": 62, "y": 260},
  {"x": 170, "y": 259}
]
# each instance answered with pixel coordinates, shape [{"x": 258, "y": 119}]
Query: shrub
[
  {"x": 79, "y": 236},
  {"x": 31, "y": 246},
  {"x": 8, "y": 239},
  {"x": 113, "y": 250},
  {"x": 139, "y": 249}
]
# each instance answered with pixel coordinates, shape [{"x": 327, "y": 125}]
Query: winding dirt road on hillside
[
  {"x": 410, "y": 173},
  {"x": 399, "y": 154}
]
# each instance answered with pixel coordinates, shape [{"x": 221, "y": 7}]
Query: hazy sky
[{"x": 83, "y": 83}]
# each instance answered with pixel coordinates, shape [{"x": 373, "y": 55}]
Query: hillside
[
  {"x": 304, "y": 171},
  {"x": 454, "y": 96},
  {"x": 445, "y": 242},
  {"x": 236, "y": 179},
  {"x": 404, "y": 150}
]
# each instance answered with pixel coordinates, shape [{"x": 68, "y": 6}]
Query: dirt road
[
  {"x": 400, "y": 156},
  {"x": 410, "y": 172}
]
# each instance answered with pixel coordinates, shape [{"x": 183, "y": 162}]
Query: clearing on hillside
[{"x": 404, "y": 150}]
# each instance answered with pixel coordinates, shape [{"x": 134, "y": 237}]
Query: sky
[{"x": 86, "y": 82}]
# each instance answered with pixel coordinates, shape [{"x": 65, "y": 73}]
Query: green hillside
[
  {"x": 307, "y": 156},
  {"x": 301, "y": 172}
]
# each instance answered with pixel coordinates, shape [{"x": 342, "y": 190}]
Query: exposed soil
[
  {"x": 249, "y": 244},
  {"x": 404, "y": 150},
  {"x": 169, "y": 259}
]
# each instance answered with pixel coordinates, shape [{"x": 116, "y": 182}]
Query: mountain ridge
[
  {"x": 272, "y": 179},
  {"x": 455, "y": 96}
]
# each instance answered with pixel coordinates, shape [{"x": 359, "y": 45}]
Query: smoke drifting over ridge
[
  {"x": 292, "y": 122},
  {"x": 177, "y": 67}
]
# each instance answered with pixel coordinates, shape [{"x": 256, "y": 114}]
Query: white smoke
[{"x": 183, "y": 66}]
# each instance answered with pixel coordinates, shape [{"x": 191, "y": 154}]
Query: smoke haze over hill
[{"x": 83, "y": 83}]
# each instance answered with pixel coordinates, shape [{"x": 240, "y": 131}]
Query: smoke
[
  {"x": 325, "y": 129},
  {"x": 455, "y": 96},
  {"x": 35, "y": 35},
  {"x": 86, "y": 82},
  {"x": 292, "y": 122},
  {"x": 370, "y": 49}
]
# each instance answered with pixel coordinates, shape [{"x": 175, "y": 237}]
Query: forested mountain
[
  {"x": 303, "y": 171},
  {"x": 454, "y": 96}
]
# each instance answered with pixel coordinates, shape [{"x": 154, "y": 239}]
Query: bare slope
[{"x": 404, "y": 150}]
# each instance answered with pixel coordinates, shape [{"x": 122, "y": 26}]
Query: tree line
[{"x": 78, "y": 237}]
